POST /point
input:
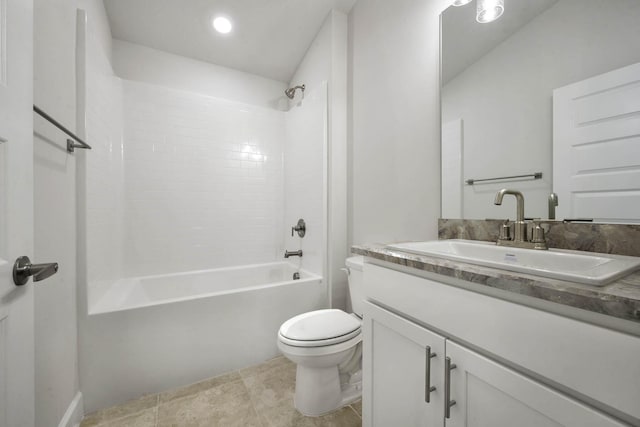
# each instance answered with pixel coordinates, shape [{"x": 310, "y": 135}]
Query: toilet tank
[{"x": 356, "y": 291}]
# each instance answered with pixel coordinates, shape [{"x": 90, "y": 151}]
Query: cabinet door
[
  {"x": 397, "y": 372},
  {"x": 488, "y": 394}
]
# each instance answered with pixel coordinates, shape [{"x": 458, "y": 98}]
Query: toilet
[{"x": 326, "y": 346}]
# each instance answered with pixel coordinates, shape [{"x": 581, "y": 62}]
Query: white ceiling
[
  {"x": 269, "y": 38},
  {"x": 464, "y": 41}
]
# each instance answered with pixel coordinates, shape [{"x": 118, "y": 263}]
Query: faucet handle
[
  {"x": 505, "y": 230},
  {"x": 300, "y": 227},
  {"x": 538, "y": 233}
]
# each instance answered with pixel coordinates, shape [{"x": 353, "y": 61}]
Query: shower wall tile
[
  {"x": 304, "y": 159},
  {"x": 104, "y": 177},
  {"x": 202, "y": 181}
]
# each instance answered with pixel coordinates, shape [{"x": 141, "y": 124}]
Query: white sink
[{"x": 590, "y": 268}]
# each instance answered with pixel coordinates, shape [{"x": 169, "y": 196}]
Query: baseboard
[{"x": 73, "y": 416}]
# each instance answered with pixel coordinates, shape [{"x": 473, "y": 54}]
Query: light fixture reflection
[
  {"x": 222, "y": 25},
  {"x": 458, "y": 3},
  {"x": 489, "y": 10},
  {"x": 252, "y": 153}
]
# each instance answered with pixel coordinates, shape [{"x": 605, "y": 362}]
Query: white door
[
  {"x": 596, "y": 147},
  {"x": 488, "y": 394},
  {"x": 16, "y": 212},
  {"x": 402, "y": 385}
]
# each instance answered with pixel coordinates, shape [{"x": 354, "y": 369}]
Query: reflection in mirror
[{"x": 498, "y": 83}]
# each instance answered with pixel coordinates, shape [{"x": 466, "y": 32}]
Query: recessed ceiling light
[
  {"x": 222, "y": 25},
  {"x": 489, "y": 10}
]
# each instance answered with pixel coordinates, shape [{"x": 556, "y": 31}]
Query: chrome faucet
[
  {"x": 520, "y": 226},
  {"x": 288, "y": 254}
]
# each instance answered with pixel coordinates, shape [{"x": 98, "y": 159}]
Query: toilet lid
[{"x": 320, "y": 325}]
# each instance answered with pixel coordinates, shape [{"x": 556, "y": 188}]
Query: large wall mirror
[{"x": 549, "y": 95}]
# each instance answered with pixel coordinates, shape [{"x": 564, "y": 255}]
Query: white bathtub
[{"x": 149, "y": 334}]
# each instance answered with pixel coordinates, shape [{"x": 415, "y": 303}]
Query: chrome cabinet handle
[
  {"x": 448, "y": 403},
  {"x": 23, "y": 269},
  {"x": 427, "y": 375}
]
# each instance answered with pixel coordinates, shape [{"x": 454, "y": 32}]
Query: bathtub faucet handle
[{"x": 300, "y": 227}]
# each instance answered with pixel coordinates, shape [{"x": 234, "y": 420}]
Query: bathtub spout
[{"x": 288, "y": 254}]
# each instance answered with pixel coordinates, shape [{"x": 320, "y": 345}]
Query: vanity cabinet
[
  {"x": 402, "y": 360},
  {"x": 513, "y": 366},
  {"x": 406, "y": 364}
]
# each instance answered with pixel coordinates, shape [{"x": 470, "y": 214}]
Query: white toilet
[{"x": 326, "y": 346}]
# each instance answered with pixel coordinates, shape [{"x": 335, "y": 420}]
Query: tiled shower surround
[
  {"x": 180, "y": 181},
  {"x": 202, "y": 181}
]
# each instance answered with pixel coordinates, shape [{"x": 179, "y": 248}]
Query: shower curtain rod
[{"x": 70, "y": 144}]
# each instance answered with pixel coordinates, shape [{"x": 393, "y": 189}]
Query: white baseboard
[{"x": 74, "y": 414}]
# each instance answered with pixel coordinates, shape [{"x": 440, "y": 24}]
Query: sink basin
[{"x": 590, "y": 268}]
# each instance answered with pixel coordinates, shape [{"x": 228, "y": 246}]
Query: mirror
[{"x": 497, "y": 99}]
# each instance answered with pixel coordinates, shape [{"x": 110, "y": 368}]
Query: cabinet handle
[
  {"x": 448, "y": 403},
  {"x": 427, "y": 375}
]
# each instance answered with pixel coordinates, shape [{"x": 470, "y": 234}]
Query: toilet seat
[
  {"x": 319, "y": 328},
  {"x": 320, "y": 350}
]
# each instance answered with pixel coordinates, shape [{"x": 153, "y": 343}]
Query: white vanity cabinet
[
  {"x": 407, "y": 362},
  {"x": 504, "y": 380}
]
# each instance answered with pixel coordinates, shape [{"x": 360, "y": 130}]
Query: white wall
[
  {"x": 571, "y": 41},
  {"x": 203, "y": 181},
  {"x": 56, "y": 365},
  {"x": 394, "y": 113},
  {"x": 143, "y": 64},
  {"x": 326, "y": 61}
]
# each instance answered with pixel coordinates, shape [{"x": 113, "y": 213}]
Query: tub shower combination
[{"x": 145, "y": 333}]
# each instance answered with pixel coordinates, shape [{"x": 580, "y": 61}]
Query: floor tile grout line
[{"x": 354, "y": 410}]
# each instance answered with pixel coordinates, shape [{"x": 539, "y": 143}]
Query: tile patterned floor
[{"x": 258, "y": 396}]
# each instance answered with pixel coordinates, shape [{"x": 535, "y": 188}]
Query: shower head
[{"x": 292, "y": 91}]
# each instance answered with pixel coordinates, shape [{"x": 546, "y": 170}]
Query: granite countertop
[{"x": 620, "y": 299}]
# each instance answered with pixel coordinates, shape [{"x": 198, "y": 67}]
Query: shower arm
[{"x": 291, "y": 92}]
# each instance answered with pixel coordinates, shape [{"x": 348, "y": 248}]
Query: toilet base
[{"x": 318, "y": 391}]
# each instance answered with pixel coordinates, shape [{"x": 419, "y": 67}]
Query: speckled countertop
[{"x": 620, "y": 299}]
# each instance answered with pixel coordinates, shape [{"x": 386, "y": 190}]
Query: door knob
[{"x": 23, "y": 269}]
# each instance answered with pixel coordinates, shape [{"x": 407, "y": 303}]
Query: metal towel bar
[
  {"x": 535, "y": 175},
  {"x": 70, "y": 144}
]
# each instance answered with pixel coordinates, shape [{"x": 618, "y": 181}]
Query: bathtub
[{"x": 149, "y": 334}]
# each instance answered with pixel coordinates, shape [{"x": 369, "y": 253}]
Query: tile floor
[{"x": 258, "y": 396}]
